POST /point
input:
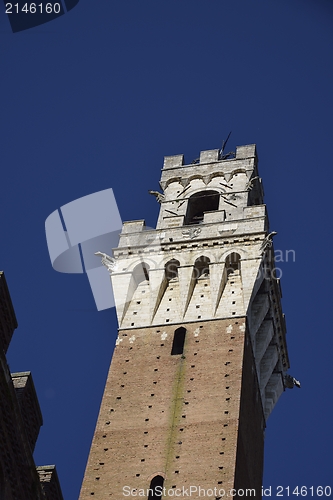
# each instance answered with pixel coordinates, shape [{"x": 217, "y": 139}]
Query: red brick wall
[{"x": 177, "y": 416}]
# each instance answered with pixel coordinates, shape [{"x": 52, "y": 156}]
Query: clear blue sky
[{"x": 94, "y": 100}]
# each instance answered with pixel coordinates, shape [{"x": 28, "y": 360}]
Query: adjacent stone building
[
  {"x": 201, "y": 356},
  {"x": 20, "y": 421}
]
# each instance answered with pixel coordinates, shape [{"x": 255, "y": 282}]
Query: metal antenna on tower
[
  {"x": 225, "y": 142},
  {"x": 223, "y": 156}
]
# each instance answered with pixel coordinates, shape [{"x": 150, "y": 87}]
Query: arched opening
[
  {"x": 171, "y": 269},
  {"x": 198, "y": 203},
  {"x": 201, "y": 267},
  {"x": 232, "y": 263},
  {"x": 156, "y": 488},
  {"x": 178, "y": 341},
  {"x": 141, "y": 273}
]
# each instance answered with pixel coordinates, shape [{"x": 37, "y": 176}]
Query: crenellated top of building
[
  {"x": 211, "y": 198},
  {"x": 211, "y": 156},
  {"x": 209, "y": 163},
  {"x": 212, "y": 189}
]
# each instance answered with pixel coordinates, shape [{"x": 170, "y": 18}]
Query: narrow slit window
[{"x": 178, "y": 341}]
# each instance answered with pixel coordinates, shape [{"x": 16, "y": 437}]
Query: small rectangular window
[{"x": 178, "y": 341}]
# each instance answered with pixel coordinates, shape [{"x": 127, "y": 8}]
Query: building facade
[
  {"x": 20, "y": 422},
  {"x": 201, "y": 357}
]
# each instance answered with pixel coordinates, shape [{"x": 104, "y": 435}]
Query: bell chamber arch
[{"x": 198, "y": 203}]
